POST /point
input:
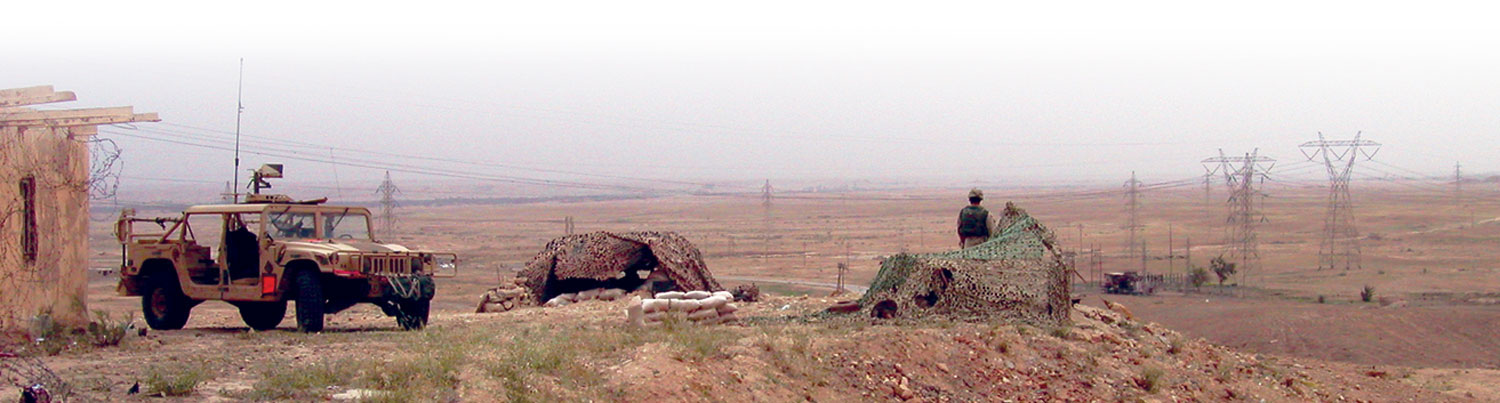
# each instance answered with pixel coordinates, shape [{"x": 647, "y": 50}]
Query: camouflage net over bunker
[
  {"x": 1016, "y": 275},
  {"x": 657, "y": 261}
]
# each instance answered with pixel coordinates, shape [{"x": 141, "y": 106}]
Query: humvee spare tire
[
  {"x": 262, "y": 315},
  {"x": 413, "y": 314},
  {"x": 163, "y": 304},
  {"x": 309, "y": 301}
]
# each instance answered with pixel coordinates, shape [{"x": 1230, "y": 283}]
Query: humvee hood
[{"x": 332, "y": 246}]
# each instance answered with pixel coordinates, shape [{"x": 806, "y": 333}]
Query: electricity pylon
[{"x": 1340, "y": 246}]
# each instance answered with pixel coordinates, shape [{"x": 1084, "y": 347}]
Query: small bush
[
  {"x": 1150, "y": 379},
  {"x": 1061, "y": 332},
  {"x": 106, "y": 331},
  {"x": 1175, "y": 346},
  {"x": 1198, "y": 276},
  {"x": 1367, "y": 294},
  {"x": 1321, "y": 299},
  {"x": 176, "y": 381}
]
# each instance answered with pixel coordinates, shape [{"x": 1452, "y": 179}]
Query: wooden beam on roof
[
  {"x": 76, "y": 117},
  {"x": 37, "y": 91},
  {"x": 37, "y": 100}
]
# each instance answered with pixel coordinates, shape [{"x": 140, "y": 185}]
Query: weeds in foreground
[
  {"x": 1367, "y": 294},
  {"x": 174, "y": 380}
]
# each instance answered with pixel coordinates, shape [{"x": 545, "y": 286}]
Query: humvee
[{"x": 260, "y": 254}]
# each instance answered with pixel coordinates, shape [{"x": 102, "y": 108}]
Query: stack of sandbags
[
  {"x": 700, "y": 307},
  {"x": 504, "y": 298},
  {"x": 603, "y": 294}
]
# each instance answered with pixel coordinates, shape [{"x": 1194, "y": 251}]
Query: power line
[
  {"x": 1244, "y": 211},
  {"x": 1340, "y": 244}
]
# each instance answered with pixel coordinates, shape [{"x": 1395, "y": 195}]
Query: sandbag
[
  {"x": 726, "y": 294},
  {"x": 588, "y": 295},
  {"x": 508, "y": 304},
  {"x": 611, "y": 294},
  {"x": 702, "y": 314},
  {"x": 655, "y": 317},
  {"x": 727, "y": 309},
  {"x": 697, "y": 294},
  {"x": 570, "y": 297},
  {"x": 713, "y": 302},
  {"x": 671, "y": 295},
  {"x": 655, "y": 305},
  {"x": 634, "y": 314},
  {"x": 684, "y": 305}
]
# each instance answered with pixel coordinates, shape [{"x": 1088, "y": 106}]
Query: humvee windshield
[
  {"x": 291, "y": 225},
  {"x": 346, "y": 226},
  {"x": 336, "y": 225}
]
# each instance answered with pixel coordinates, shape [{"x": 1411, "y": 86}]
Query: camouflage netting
[
  {"x": 1017, "y": 275},
  {"x": 610, "y": 260}
]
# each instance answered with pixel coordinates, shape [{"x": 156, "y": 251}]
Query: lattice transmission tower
[
  {"x": 1133, "y": 225},
  {"x": 1340, "y": 237},
  {"x": 765, "y": 202},
  {"x": 1243, "y": 175},
  {"x": 388, "y": 204}
]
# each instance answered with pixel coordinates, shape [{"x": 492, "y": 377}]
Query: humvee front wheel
[
  {"x": 262, "y": 315},
  {"x": 413, "y": 313},
  {"x": 309, "y": 301},
  {"x": 164, "y": 305}
]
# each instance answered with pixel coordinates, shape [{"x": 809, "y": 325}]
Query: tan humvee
[{"x": 259, "y": 255}]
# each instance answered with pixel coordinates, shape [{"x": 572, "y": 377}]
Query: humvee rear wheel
[
  {"x": 262, "y": 315},
  {"x": 413, "y": 314},
  {"x": 309, "y": 301},
  {"x": 163, "y": 304}
]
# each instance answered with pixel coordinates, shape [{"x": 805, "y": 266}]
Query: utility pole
[
  {"x": 1132, "y": 207},
  {"x": 765, "y": 201},
  {"x": 1188, "y": 254},
  {"x": 1143, "y": 256},
  {"x": 568, "y": 225},
  {"x": 1340, "y": 238},
  {"x": 1244, "y": 213},
  {"x": 1170, "y": 256},
  {"x": 387, "y": 192}
]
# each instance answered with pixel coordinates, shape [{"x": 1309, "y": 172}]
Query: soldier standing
[{"x": 973, "y": 221}]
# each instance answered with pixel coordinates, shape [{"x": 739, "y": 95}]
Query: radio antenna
[{"x": 240, "y": 110}]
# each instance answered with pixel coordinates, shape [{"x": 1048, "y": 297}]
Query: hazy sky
[{"x": 709, "y": 91}]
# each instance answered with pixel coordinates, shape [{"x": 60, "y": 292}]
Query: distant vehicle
[
  {"x": 270, "y": 250},
  {"x": 1128, "y": 282}
]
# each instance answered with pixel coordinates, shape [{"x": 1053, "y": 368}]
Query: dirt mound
[
  {"x": 606, "y": 260},
  {"x": 1017, "y": 274}
]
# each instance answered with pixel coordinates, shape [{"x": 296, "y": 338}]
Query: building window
[{"x": 28, "y": 219}]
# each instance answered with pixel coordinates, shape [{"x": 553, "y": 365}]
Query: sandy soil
[{"x": 1427, "y": 258}]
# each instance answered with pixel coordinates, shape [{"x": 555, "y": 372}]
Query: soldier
[{"x": 973, "y": 221}]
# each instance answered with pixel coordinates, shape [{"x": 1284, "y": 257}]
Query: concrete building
[{"x": 44, "y": 203}]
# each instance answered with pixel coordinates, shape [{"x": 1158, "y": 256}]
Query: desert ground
[{"x": 1427, "y": 334}]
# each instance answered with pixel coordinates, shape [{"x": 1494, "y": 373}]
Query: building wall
[{"x": 55, "y": 281}]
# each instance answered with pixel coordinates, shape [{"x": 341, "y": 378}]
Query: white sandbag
[
  {"x": 634, "y": 315},
  {"x": 697, "y": 294},
  {"x": 728, "y": 317},
  {"x": 611, "y": 294},
  {"x": 555, "y": 302},
  {"x": 508, "y": 304},
  {"x": 655, "y": 305},
  {"x": 654, "y": 317},
  {"x": 727, "y": 309},
  {"x": 588, "y": 295},
  {"x": 493, "y": 307},
  {"x": 570, "y": 297},
  {"x": 726, "y": 294},
  {"x": 713, "y": 302},
  {"x": 684, "y": 305},
  {"x": 670, "y": 295},
  {"x": 702, "y": 314}
]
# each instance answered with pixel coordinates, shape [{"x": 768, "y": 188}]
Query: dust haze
[{"x": 832, "y": 95}]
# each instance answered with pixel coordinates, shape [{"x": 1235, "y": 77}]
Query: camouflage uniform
[{"x": 973, "y": 223}]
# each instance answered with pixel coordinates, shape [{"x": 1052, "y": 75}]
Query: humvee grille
[{"x": 390, "y": 265}]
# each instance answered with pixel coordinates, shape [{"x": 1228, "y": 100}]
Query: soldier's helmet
[{"x": 976, "y": 193}]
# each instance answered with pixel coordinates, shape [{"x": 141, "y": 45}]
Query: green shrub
[
  {"x": 104, "y": 330},
  {"x": 174, "y": 381},
  {"x": 1150, "y": 379},
  {"x": 1367, "y": 294}
]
